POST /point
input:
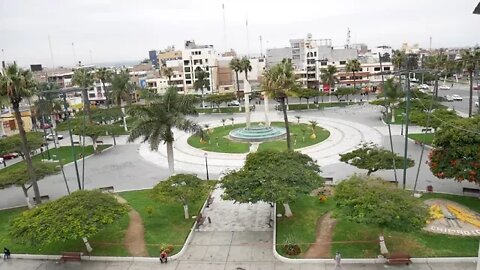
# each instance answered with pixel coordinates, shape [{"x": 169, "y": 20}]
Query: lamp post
[
  {"x": 206, "y": 165},
  {"x": 403, "y": 120}
]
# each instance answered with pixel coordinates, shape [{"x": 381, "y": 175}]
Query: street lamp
[
  {"x": 206, "y": 165},
  {"x": 403, "y": 120}
]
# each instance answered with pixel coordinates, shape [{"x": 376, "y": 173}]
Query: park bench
[
  {"x": 210, "y": 200},
  {"x": 426, "y": 129},
  {"x": 101, "y": 142},
  {"x": 328, "y": 180},
  {"x": 475, "y": 191},
  {"x": 107, "y": 189},
  {"x": 76, "y": 142},
  {"x": 200, "y": 220},
  {"x": 71, "y": 256},
  {"x": 398, "y": 258}
]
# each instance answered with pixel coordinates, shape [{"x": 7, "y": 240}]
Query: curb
[{"x": 415, "y": 142}]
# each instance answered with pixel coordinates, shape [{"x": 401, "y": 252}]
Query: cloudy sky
[{"x": 121, "y": 30}]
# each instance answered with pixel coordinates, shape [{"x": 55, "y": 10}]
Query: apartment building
[
  {"x": 198, "y": 57},
  {"x": 169, "y": 54},
  {"x": 158, "y": 85}
]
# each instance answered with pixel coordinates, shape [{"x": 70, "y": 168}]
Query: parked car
[
  {"x": 424, "y": 86},
  {"x": 10, "y": 155},
  {"x": 477, "y": 87},
  {"x": 45, "y": 126},
  {"x": 457, "y": 97},
  {"x": 449, "y": 98},
  {"x": 233, "y": 103},
  {"x": 50, "y": 136},
  {"x": 444, "y": 87}
]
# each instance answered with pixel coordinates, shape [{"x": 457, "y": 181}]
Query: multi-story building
[
  {"x": 198, "y": 57},
  {"x": 158, "y": 85},
  {"x": 276, "y": 55},
  {"x": 152, "y": 56},
  {"x": 169, "y": 54}
]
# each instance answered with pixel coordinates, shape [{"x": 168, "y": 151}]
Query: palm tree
[
  {"x": 399, "y": 59},
  {"x": 470, "y": 61},
  {"x": 201, "y": 82},
  {"x": 104, "y": 75},
  {"x": 438, "y": 62},
  {"x": 232, "y": 119},
  {"x": 156, "y": 121},
  {"x": 223, "y": 122},
  {"x": 245, "y": 66},
  {"x": 313, "y": 126},
  {"x": 328, "y": 75},
  {"x": 236, "y": 66},
  {"x": 17, "y": 84},
  {"x": 84, "y": 79},
  {"x": 298, "y": 119},
  {"x": 168, "y": 72},
  {"x": 121, "y": 88},
  {"x": 393, "y": 91},
  {"x": 50, "y": 104},
  {"x": 353, "y": 66},
  {"x": 277, "y": 82}
]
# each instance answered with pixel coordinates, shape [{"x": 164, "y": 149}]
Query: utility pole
[
  {"x": 74, "y": 55},
  {"x": 51, "y": 51},
  {"x": 261, "y": 47},
  {"x": 71, "y": 139},
  {"x": 407, "y": 112}
]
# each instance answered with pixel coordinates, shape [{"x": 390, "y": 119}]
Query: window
[
  {"x": 188, "y": 76},
  {"x": 386, "y": 68},
  {"x": 323, "y": 63},
  {"x": 206, "y": 68},
  {"x": 186, "y": 62},
  {"x": 99, "y": 88},
  {"x": 91, "y": 95},
  {"x": 296, "y": 45},
  {"x": 376, "y": 68},
  {"x": 315, "y": 54},
  {"x": 295, "y": 57},
  {"x": 187, "y": 69},
  {"x": 226, "y": 88},
  {"x": 188, "y": 82},
  {"x": 343, "y": 62},
  {"x": 206, "y": 61},
  {"x": 342, "y": 78}
]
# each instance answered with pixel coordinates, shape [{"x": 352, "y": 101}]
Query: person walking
[
  {"x": 163, "y": 257},
  {"x": 6, "y": 253},
  {"x": 338, "y": 259}
]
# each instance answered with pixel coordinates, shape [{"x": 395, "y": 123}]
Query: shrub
[
  {"x": 374, "y": 201},
  {"x": 290, "y": 247}
]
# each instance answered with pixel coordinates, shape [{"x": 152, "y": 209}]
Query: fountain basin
[{"x": 257, "y": 134}]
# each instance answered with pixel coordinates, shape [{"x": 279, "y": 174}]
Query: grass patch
[
  {"x": 356, "y": 240},
  {"x": 320, "y": 105},
  {"x": 107, "y": 242},
  {"x": 423, "y": 138},
  {"x": 300, "y": 137},
  {"x": 166, "y": 225},
  {"x": 229, "y": 110},
  {"x": 302, "y": 227}
]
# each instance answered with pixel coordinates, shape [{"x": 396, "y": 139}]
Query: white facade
[
  {"x": 159, "y": 85},
  {"x": 198, "y": 57},
  {"x": 97, "y": 92}
]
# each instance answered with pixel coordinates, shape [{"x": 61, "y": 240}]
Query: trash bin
[{"x": 430, "y": 188}]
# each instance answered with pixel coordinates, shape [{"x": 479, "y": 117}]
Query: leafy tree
[
  {"x": 273, "y": 176},
  {"x": 328, "y": 76},
  {"x": 437, "y": 62},
  {"x": 48, "y": 102},
  {"x": 236, "y": 66},
  {"x": 353, "y": 66},
  {"x": 436, "y": 119},
  {"x": 201, "y": 82},
  {"x": 412, "y": 61},
  {"x": 393, "y": 92},
  {"x": 15, "y": 85},
  {"x": 306, "y": 93},
  {"x": 313, "y": 126},
  {"x": 121, "y": 88},
  {"x": 456, "y": 150},
  {"x": 399, "y": 59},
  {"x": 93, "y": 131},
  {"x": 218, "y": 99},
  {"x": 14, "y": 143},
  {"x": 246, "y": 66},
  {"x": 79, "y": 215},
  {"x": 386, "y": 57},
  {"x": 373, "y": 158},
  {"x": 183, "y": 188},
  {"x": 470, "y": 61},
  {"x": 84, "y": 79},
  {"x": 18, "y": 175},
  {"x": 168, "y": 72},
  {"x": 376, "y": 202},
  {"x": 104, "y": 75},
  {"x": 344, "y": 91},
  {"x": 155, "y": 121},
  {"x": 277, "y": 82}
]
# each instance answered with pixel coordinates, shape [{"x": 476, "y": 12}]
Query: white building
[
  {"x": 197, "y": 57},
  {"x": 97, "y": 92},
  {"x": 159, "y": 85}
]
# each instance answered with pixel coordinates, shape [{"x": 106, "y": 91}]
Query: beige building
[{"x": 9, "y": 125}]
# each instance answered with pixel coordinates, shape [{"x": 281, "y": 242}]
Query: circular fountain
[{"x": 258, "y": 133}]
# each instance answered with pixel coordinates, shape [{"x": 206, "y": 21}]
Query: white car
[
  {"x": 449, "y": 98},
  {"x": 457, "y": 97},
  {"x": 424, "y": 86},
  {"x": 476, "y": 103},
  {"x": 233, "y": 103},
  {"x": 50, "y": 137},
  {"x": 444, "y": 87}
]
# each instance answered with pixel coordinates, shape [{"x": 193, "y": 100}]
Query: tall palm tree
[
  {"x": 104, "y": 75},
  {"x": 156, "y": 121},
  {"x": 236, "y": 66},
  {"x": 353, "y": 66},
  {"x": 246, "y": 66},
  {"x": 470, "y": 61},
  {"x": 277, "y": 82},
  {"x": 399, "y": 59},
  {"x": 121, "y": 88},
  {"x": 84, "y": 79},
  {"x": 328, "y": 75},
  {"x": 437, "y": 62},
  {"x": 393, "y": 91},
  {"x": 168, "y": 72},
  {"x": 50, "y": 104},
  {"x": 201, "y": 82},
  {"x": 17, "y": 84}
]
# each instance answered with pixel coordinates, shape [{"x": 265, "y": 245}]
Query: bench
[
  {"x": 200, "y": 220},
  {"x": 76, "y": 142},
  {"x": 475, "y": 191},
  {"x": 328, "y": 180},
  {"x": 44, "y": 198},
  {"x": 108, "y": 189},
  {"x": 101, "y": 142},
  {"x": 426, "y": 129},
  {"x": 398, "y": 258},
  {"x": 210, "y": 200},
  {"x": 71, "y": 256}
]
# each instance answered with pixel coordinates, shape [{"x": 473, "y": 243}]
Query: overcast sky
[{"x": 120, "y": 30}]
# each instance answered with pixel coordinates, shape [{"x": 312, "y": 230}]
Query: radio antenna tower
[
  {"x": 225, "y": 44},
  {"x": 347, "y": 45}
]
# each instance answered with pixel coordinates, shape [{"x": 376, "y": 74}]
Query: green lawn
[
  {"x": 229, "y": 110},
  {"x": 355, "y": 240},
  {"x": 166, "y": 225},
  {"x": 421, "y": 137},
  {"x": 108, "y": 242},
  {"x": 218, "y": 140},
  {"x": 320, "y": 105}
]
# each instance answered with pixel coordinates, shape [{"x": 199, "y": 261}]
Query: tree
[
  {"x": 353, "y": 66},
  {"x": 79, "y": 215},
  {"x": 306, "y": 93},
  {"x": 201, "y": 82},
  {"x": 121, "y": 88},
  {"x": 13, "y": 143},
  {"x": 15, "y": 85},
  {"x": 393, "y": 92},
  {"x": 84, "y": 79},
  {"x": 328, "y": 76},
  {"x": 399, "y": 59},
  {"x": 104, "y": 75},
  {"x": 168, "y": 72},
  {"x": 373, "y": 158},
  {"x": 273, "y": 176},
  {"x": 436, "y": 119},
  {"x": 223, "y": 122},
  {"x": 183, "y": 188},
  {"x": 470, "y": 61},
  {"x": 412, "y": 61},
  {"x": 245, "y": 66},
  {"x": 298, "y": 119},
  {"x": 437, "y": 62},
  {"x": 218, "y": 99},
  {"x": 385, "y": 57},
  {"x": 313, "y": 126},
  {"x": 93, "y": 131},
  {"x": 374, "y": 201},
  {"x": 236, "y": 66},
  {"x": 455, "y": 154},
  {"x": 155, "y": 121},
  {"x": 18, "y": 175},
  {"x": 50, "y": 103},
  {"x": 277, "y": 82},
  {"x": 344, "y": 91}
]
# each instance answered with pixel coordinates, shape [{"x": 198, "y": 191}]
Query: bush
[
  {"x": 290, "y": 247},
  {"x": 374, "y": 201}
]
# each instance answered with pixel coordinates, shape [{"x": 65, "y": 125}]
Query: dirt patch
[
  {"x": 322, "y": 245},
  {"x": 135, "y": 235}
]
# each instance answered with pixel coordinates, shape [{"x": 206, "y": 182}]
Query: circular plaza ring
[{"x": 257, "y": 134}]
